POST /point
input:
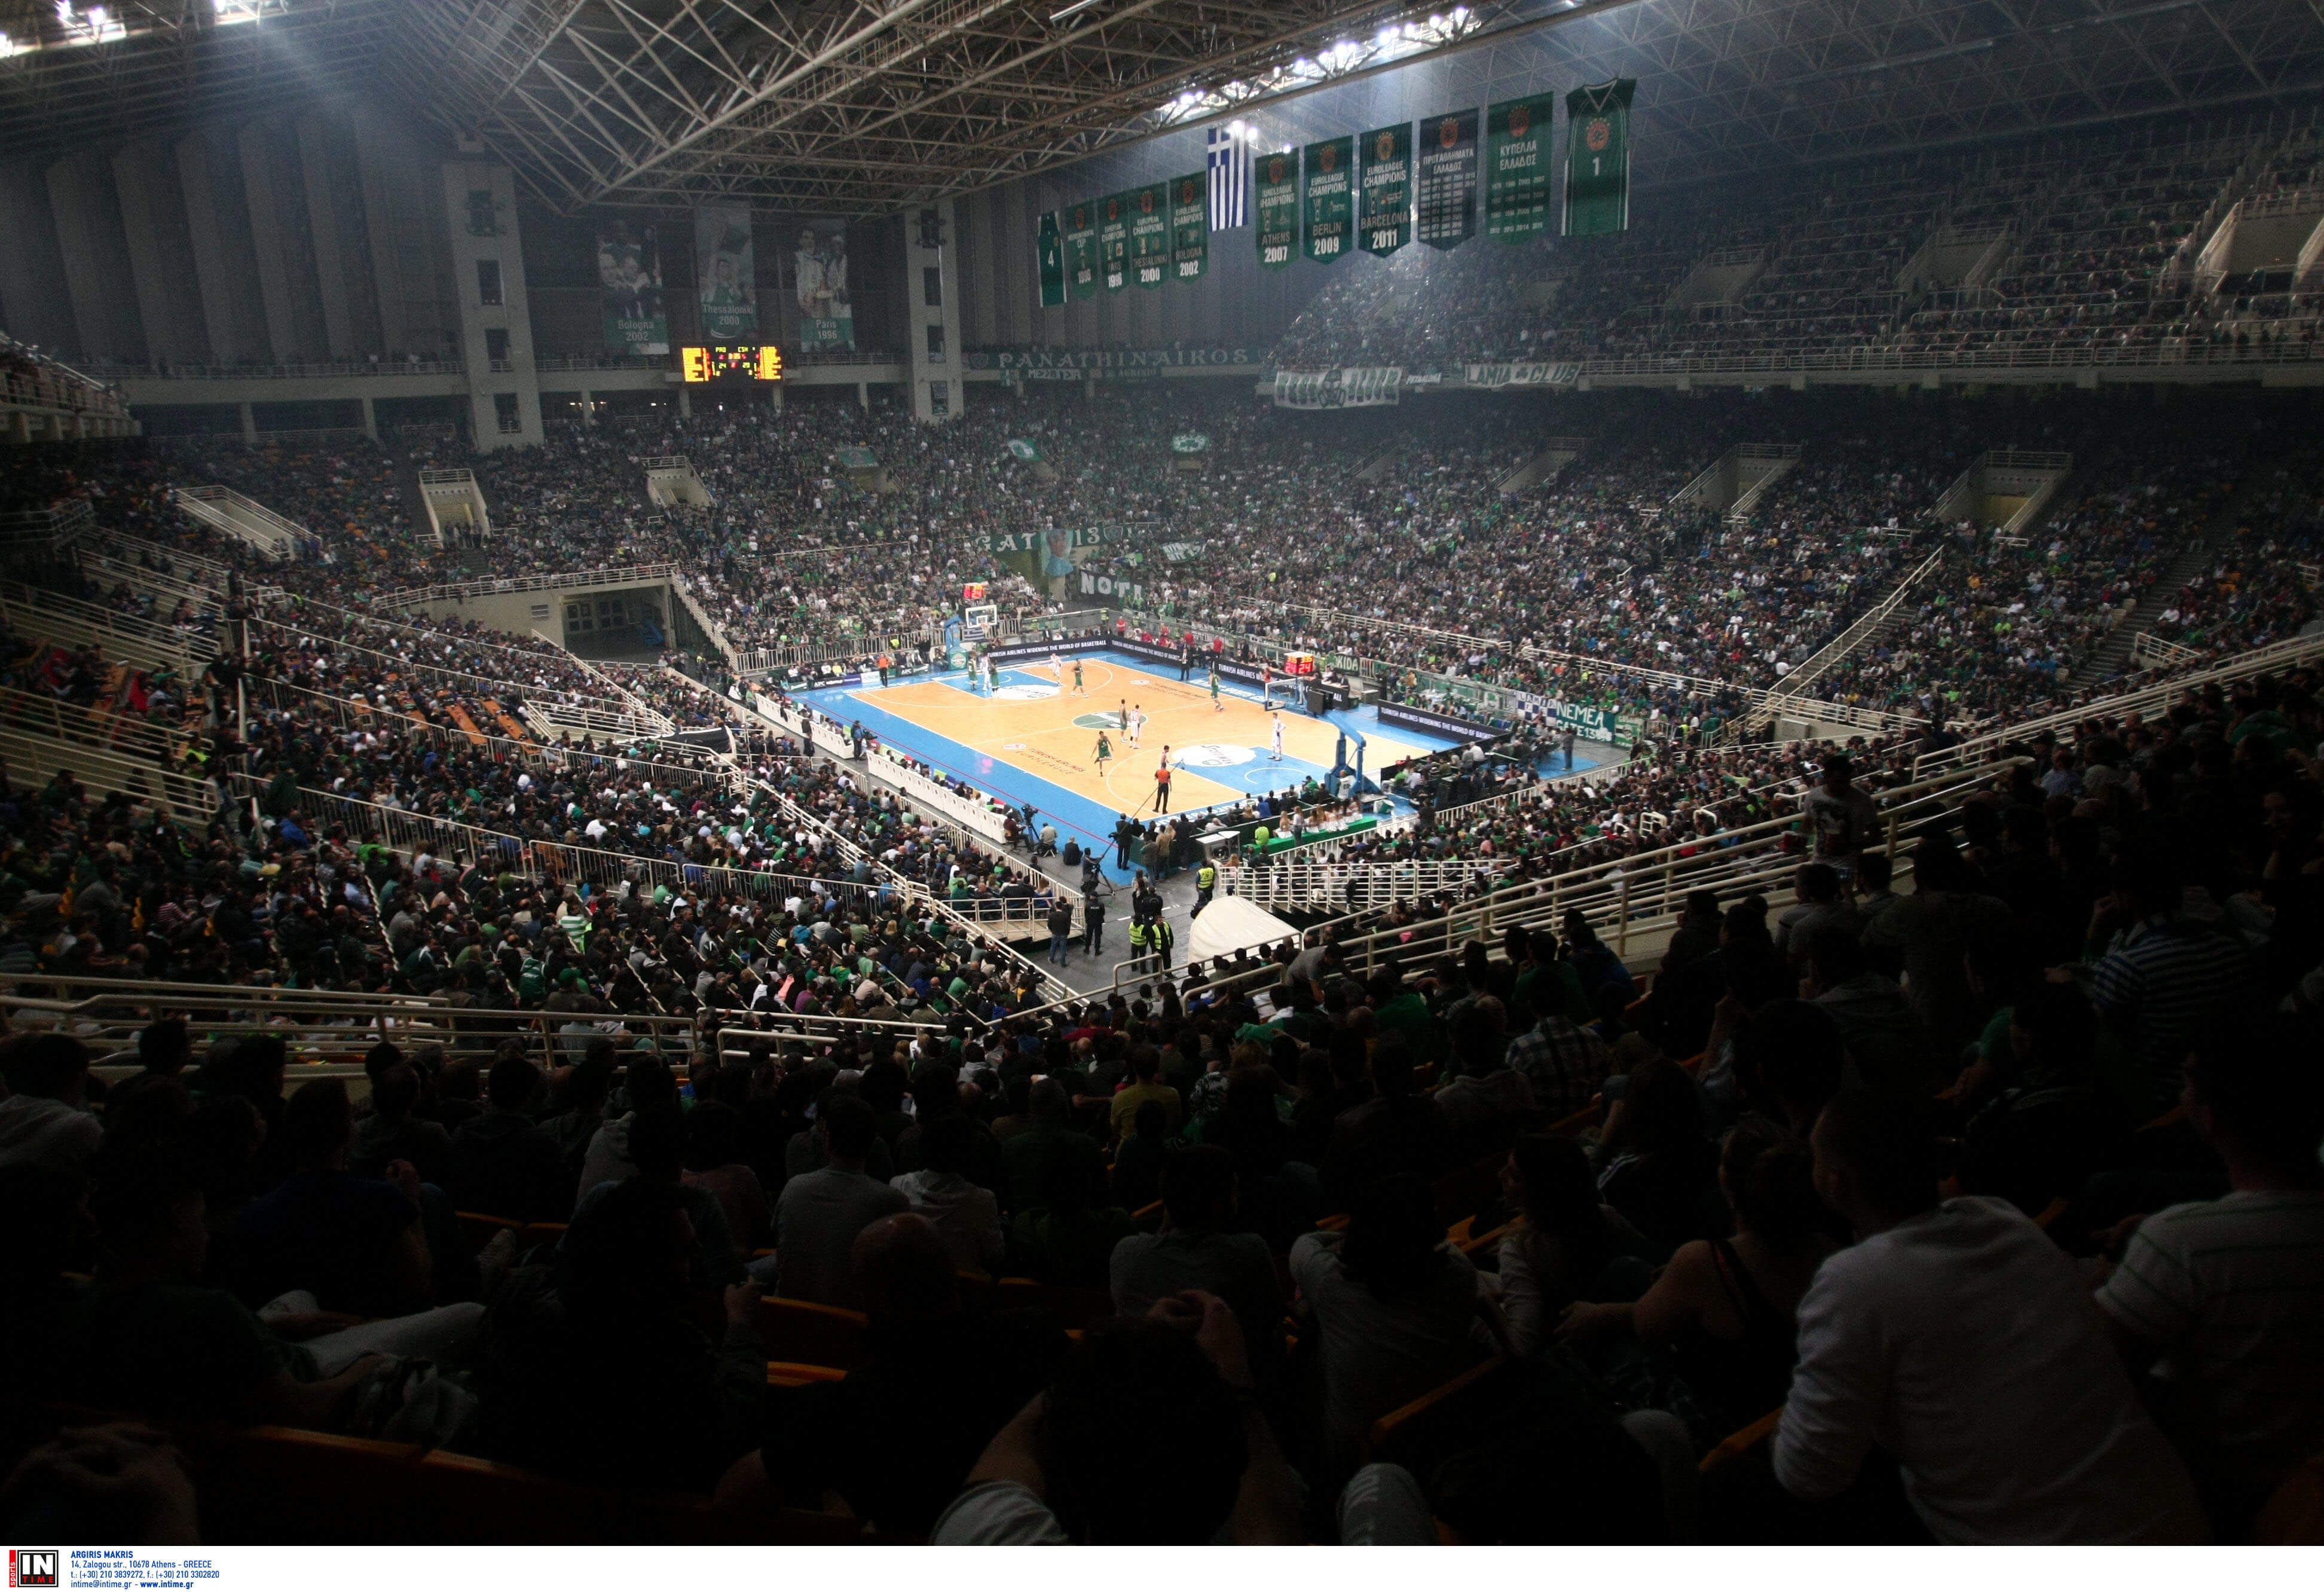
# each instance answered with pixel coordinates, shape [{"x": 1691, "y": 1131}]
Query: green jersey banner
[
  {"x": 1081, "y": 250},
  {"x": 1330, "y": 199},
  {"x": 1517, "y": 167},
  {"x": 1448, "y": 180},
  {"x": 1190, "y": 227},
  {"x": 1386, "y": 223},
  {"x": 1150, "y": 235},
  {"x": 1052, "y": 250},
  {"x": 1598, "y": 158},
  {"x": 1276, "y": 177},
  {"x": 1113, "y": 241}
]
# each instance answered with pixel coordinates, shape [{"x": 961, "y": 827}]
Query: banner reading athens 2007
[
  {"x": 1598, "y": 158},
  {"x": 1350, "y": 387},
  {"x": 1190, "y": 227},
  {"x": 724, "y": 269},
  {"x": 1150, "y": 235},
  {"x": 1386, "y": 221},
  {"x": 1448, "y": 180},
  {"x": 1517, "y": 178},
  {"x": 1276, "y": 176},
  {"x": 1081, "y": 249},
  {"x": 1113, "y": 241},
  {"x": 1329, "y": 200}
]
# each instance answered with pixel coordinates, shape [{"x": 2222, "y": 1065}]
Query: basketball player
[
  {"x": 1137, "y": 722},
  {"x": 1162, "y": 782},
  {"x": 1104, "y": 751},
  {"x": 1056, "y": 667},
  {"x": 1279, "y": 738},
  {"x": 1078, "y": 690},
  {"x": 1124, "y": 712},
  {"x": 1216, "y": 705},
  {"x": 987, "y": 663}
]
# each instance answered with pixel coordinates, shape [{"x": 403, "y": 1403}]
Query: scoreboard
[{"x": 740, "y": 362}]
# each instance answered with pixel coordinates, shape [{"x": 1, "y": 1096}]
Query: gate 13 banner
[
  {"x": 1081, "y": 250},
  {"x": 1598, "y": 158},
  {"x": 1448, "y": 180},
  {"x": 1051, "y": 252},
  {"x": 1149, "y": 234},
  {"x": 1190, "y": 227},
  {"x": 1276, "y": 177},
  {"x": 1386, "y": 223},
  {"x": 1331, "y": 210},
  {"x": 1113, "y": 241},
  {"x": 1517, "y": 167}
]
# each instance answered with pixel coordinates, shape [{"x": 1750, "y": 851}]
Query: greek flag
[{"x": 1230, "y": 179}]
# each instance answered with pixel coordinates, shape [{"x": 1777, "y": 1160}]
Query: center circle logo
[
  {"x": 1030, "y": 691},
  {"x": 1212, "y": 754}
]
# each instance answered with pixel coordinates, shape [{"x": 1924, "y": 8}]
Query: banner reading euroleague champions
[
  {"x": 1113, "y": 241},
  {"x": 1329, "y": 200},
  {"x": 1518, "y": 177},
  {"x": 1081, "y": 250},
  {"x": 1386, "y": 222},
  {"x": 1278, "y": 181},
  {"x": 1190, "y": 227},
  {"x": 1149, "y": 234}
]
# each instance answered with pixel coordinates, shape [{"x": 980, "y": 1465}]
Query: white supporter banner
[
  {"x": 1540, "y": 374},
  {"x": 1358, "y": 387}
]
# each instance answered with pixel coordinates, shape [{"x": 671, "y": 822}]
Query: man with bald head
[{"x": 897, "y": 1437}]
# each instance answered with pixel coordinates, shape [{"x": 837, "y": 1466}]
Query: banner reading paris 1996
[
  {"x": 1150, "y": 235},
  {"x": 1352, "y": 387},
  {"x": 1276, "y": 177},
  {"x": 1113, "y": 241},
  {"x": 1190, "y": 227},
  {"x": 1081, "y": 250},
  {"x": 1517, "y": 167},
  {"x": 1598, "y": 158},
  {"x": 1052, "y": 255},
  {"x": 1448, "y": 180},
  {"x": 1330, "y": 211},
  {"x": 1386, "y": 222}
]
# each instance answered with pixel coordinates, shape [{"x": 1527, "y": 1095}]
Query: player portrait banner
[
  {"x": 1082, "y": 266},
  {"x": 1190, "y": 227},
  {"x": 1113, "y": 241},
  {"x": 1150, "y": 235},
  {"x": 628, "y": 272},
  {"x": 827, "y": 309},
  {"x": 1384, "y": 221},
  {"x": 726, "y": 268},
  {"x": 1447, "y": 179},
  {"x": 1328, "y": 203},
  {"x": 1598, "y": 158},
  {"x": 1276, "y": 176},
  {"x": 1517, "y": 167},
  {"x": 1049, "y": 249},
  {"x": 1361, "y": 386}
]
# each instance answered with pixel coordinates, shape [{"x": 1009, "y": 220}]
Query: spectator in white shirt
[
  {"x": 967, "y": 1217},
  {"x": 820, "y": 1212},
  {"x": 2222, "y": 1300},
  {"x": 1957, "y": 1337}
]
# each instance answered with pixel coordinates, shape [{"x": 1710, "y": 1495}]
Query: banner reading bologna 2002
[{"x": 1190, "y": 227}]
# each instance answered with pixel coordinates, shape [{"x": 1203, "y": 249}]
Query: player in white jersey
[
  {"x": 1278, "y": 738},
  {"x": 1137, "y": 722},
  {"x": 1056, "y": 666}
]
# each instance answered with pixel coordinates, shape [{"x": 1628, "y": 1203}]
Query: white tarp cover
[{"x": 1230, "y": 924}]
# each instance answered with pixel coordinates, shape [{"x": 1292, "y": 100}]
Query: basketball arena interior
[{"x": 1567, "y": 750}]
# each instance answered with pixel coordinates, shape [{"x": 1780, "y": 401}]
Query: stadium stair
[{"x": 2115, "y": 651}]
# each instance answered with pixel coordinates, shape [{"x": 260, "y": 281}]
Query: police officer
[
  {"x": 1093, "y": 925},
  {"x": 1141, "y": 943},
  {"x": 1206, "y": 880},
  {"x": 1160, "y": 937}
]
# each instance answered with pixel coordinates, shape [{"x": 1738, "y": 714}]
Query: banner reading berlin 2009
[
  {"x": 1361, "y": 386},
  {"x": 1330, "y": 199}
]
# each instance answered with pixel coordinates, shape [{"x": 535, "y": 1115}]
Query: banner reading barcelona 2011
[
  {"x": 1330, "y": 199},
  {"x": 1448, "y": 180},
  {"x": 1190, "y": 227},
  {"x": 1150, "y": 235},
  {"x": 1386, "y": 223},
  {"x": 1517, "y": 175},
  {"x": 1598, "y": 158},
  {"x": 1276, "y": 177},
  {"x": 1113, "y": 241},
  {"x": 1081, "y": 250}
]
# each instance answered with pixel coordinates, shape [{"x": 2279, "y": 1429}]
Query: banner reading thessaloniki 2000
[
  {"x": 826, "y": 309},
  {"x": 723, "y": 267},
  {"x": 628, "y": 271},
  {"x": 1362, "y": 386}
]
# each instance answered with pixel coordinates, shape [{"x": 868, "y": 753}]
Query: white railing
[
  {"x": 1838, "y": 650},
  {"x": 1296, "y": 885},
  {"x": 125, "y": 370},
  {"x": 2150, "y": 651},
  {"x": 242, "y": 518},
  {"x": 48, "y": 616},
  {"x": 701, "y": 616},
  {"x": 42, "y": 756},
  {"x": 414, "y": 597}
]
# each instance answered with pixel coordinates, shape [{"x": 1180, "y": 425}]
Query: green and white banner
[
  {"x": 724, "y": 272},
  {"x": 1190, "y": 442},
  {"x": 819, "y": 279},
  {"x": 1181, "y": 552},
  {"x": 629, "y": 274},
  {"x": 1051, "y": 249},
  {"x": 1517, "y": 176},
  {"x": 1150, "y": 235},
  {"x": 1113, "y": 241},
  {"x": 1598, "y": 158},
  {"x": 1349, "y": 387},
  {"x": 1190, "y": 227},
  {"x": 1277, "y": 178},
  {"x": 858, "y": 458},
  {"x": 1448, "y": 180},
  {"x": 1386, "y": 223},
  {"x": 1018, "y": 448},
  {"x": 1081, "y": 250},
  {"x": 1539, "y": 374},
  {"x": 1328, "y": 200},
  {"x": 1597, "y": 723}
]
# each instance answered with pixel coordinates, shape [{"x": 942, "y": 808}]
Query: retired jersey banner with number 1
[
  {"x": 1081, "y": 249},
  {"x": 1113, "y": 241},
  {"x": 1190, "y": 226},
  {"x": 1518, "y": 177},
  {"x": 1150, "y": 235},
  {"x": 1598, "y": 158},
  {"x": 1051, "y": 251},
  {"x": 1276, "y": 177},
  {"x": 1448, "y": 180},
  {"x": 1385, "y": 221},
  {"x": 1330, "y": 199}
]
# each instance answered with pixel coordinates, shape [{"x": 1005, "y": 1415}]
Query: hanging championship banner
[
  {"x": 1081, "y": 250},
  {"x": 1113, "y": 241},
  {"x": 1051, "y": 250},
  {"x": 1517, "y": 167},
  {"x": 724, "y": 267},
  {"x": 629, "y": 272},
  {"x": 1276, "y": 177},
  {"x": 819, "y": 272},
  {"x": 1329, "y": 202},
  {"x": 1190, "y": 227},
  {"x": 1150, "y": 235},
  {"x": 1385, "y": 224},
  {"x": 1448, "y": 180},
  {"x": 1354, "y": 387},
  {"x": 1598, "y": 158}
]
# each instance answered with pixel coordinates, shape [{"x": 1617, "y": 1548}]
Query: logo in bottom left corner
[{"x": 32, "y": 1567}]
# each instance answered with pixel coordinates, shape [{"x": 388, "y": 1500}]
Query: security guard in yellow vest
[{"x": 1206, "y": 880}]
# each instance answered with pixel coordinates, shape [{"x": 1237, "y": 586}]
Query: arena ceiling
[{"x": 862, "y": 105}]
